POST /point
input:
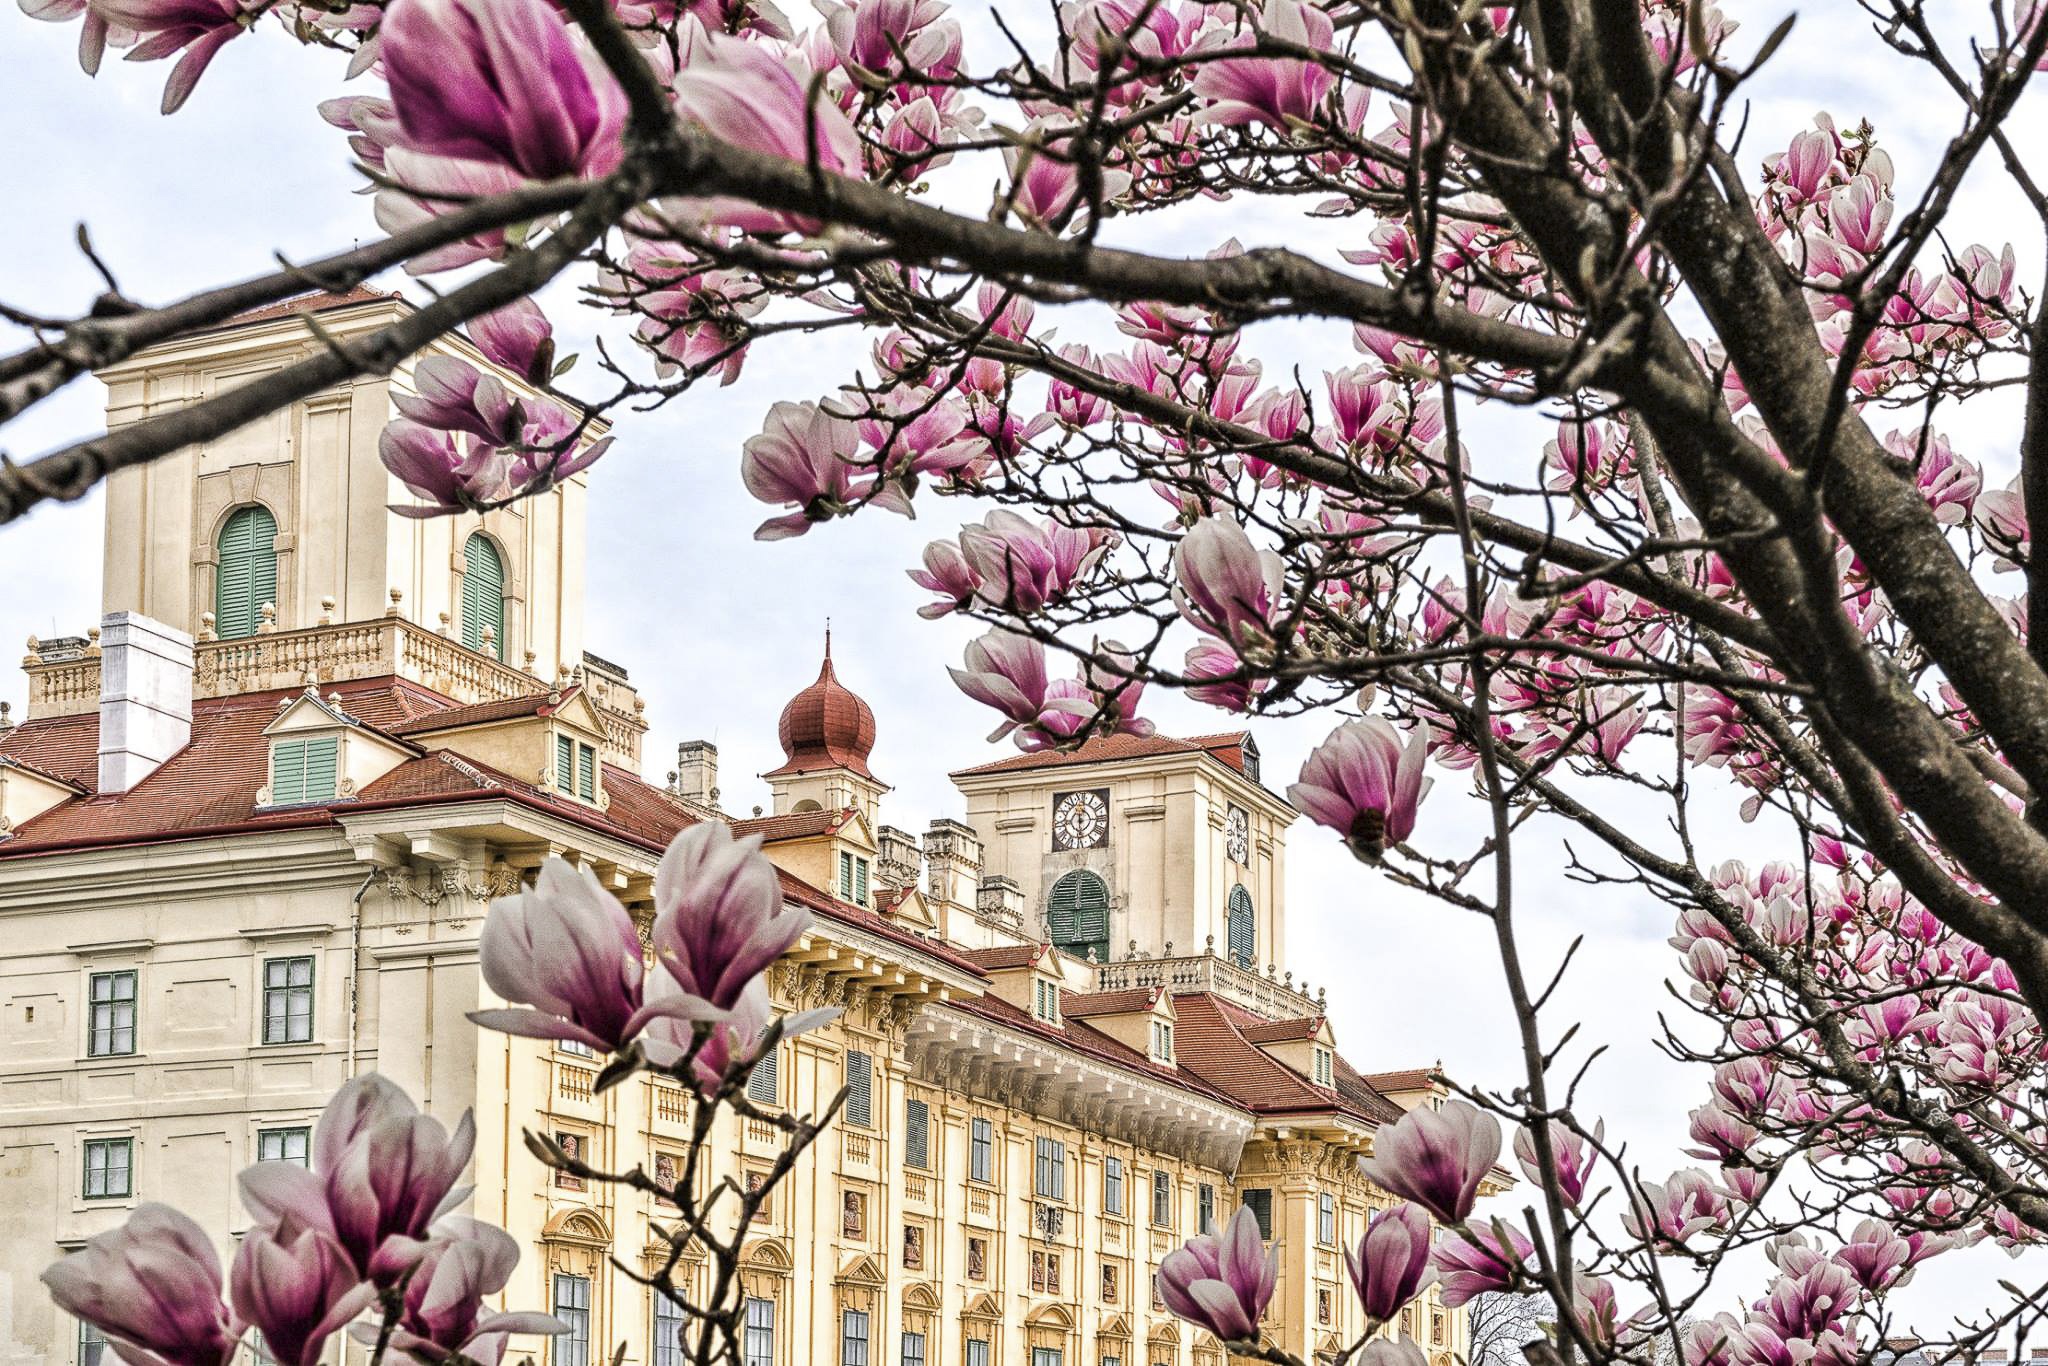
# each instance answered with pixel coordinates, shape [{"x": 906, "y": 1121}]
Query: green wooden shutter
[
  {"x": 287, "y": 772},
  {"x": 483, "y": 594},
  {"x": 565, "y": 763},
  {"x": 917, "y": 1118},
  {"x": 762, "y": 1081},
  {"x": 246, "y": 576},
  {"x": 321, "y": 769},
  {"x": 586, "y": 773},
  {"x": 860, "y": 1083},
  {"x": 1077, "y": 914},
  {"x": 1242, "y": 930}
]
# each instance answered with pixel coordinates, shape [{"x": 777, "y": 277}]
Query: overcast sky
[{"x": 718, "y": 630}]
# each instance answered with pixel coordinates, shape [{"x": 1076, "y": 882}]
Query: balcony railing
[
  {"x": 1271, "y": 996},
  {"x": 64, "y": 679}
]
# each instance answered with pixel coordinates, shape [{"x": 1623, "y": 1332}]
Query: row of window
[
  {"x": 287, "y": 1007},
  {"x": 245, "y": 578},
  {"x": 110, "y": 1162}
]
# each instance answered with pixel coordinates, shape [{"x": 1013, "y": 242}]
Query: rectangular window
[
  {"x": 763, "y": 1083},
  {"x": 1205, "y": 1207},
  {"x": 1326, "y": 1068},
  {"x": 586, "y": 773},
  {"x": 109, "y": 1168},
  {"x": 1112, "y": 1185},
  {"x": 1045, "y": 1356},
  {"x": 668, "y": 1331},
  {"x": 981, "y": 1143},
  {"x": 1047, "y": 1000},
  {"x": 113, "y": 1014},
  {"x": 917, "y": 1120},
  {"x": 572, "y": 1307},
  {"x": 1162, "y": 1041},
  {"x": 759, "y": 1344},
  {"x": 565, "y": 764},
  {"x": 304, "y": 770},
  {"x": 1050, "y": 1174},
  {"x": 860, "y": 1085},
  {"x": 853, "y": 1337},
  {"x": 913, "y": 1349},
  {"x": 1260, "y": 1203},
  {"x": 853, "y": 878},
  {"x": 92, "y": 1344},
  {"x": 283, "y": 1145},
  {"x": 977, "y": 1352},
  {"x": 1162, "y": 1199},
  {"x": 288, "y": 1000},
  {"x": 1112, "y": 1361},
  {"x": 1326, "y": 1219}
]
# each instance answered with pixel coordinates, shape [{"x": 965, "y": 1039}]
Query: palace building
[{"x": 251, "y": 824}]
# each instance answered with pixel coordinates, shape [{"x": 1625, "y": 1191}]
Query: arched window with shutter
[
  {"x": 483, "y": 594},
  {"x": 1242, "y": 929},
  {"x": 1077, "y": 915},
  {"x": 246, "y": 575}
]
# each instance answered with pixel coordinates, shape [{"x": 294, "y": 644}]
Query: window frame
[
  {"x": 291, "y": 991},
  {"x": 917, "y": 1127},
  {"x": 105, "y": 1147},
  {"x": 970, "y": 1357},
  {"x": 578, "y": 1315},
  {"x": 1112, "y": 1184},
  {"x": 672, "y": 1353},
  {"x": 848, "y": 1341},
  {"x": 1205, "y": 1206},
  {"x": 1162, "y": 1198},
  {"x": 981, "y": 1145},
  {"x": 1326, "y": 1219},
  {"x": 1259, "y": 1200},
  {"x": 1049, "y": 1169},
  {"x": 864, "y": 1117},
  {"x": 904, "y": 1353},
  {"x": 113, "y": 1029},
  {"x": 295, "y": 755},
  {"x": 757, "y": 1340},
  {"x": 285, "y": 1132}
]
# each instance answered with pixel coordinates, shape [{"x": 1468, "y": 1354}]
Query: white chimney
[
  {"x": 697, "y": 771},
  {"x": 145, "y": 697}
]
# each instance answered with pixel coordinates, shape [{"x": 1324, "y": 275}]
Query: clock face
[
  {"x": 1237, "y": 836},
  {"x": 1080, "y": 820}
]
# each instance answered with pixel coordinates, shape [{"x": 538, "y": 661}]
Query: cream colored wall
[
  {"x": 315, "y": 466},
  {"x": 1166, "y": 861}
]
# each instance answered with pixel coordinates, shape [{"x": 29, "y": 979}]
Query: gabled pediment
[
  {"x": 862, "y": 1269},
  {"x": 1051, "y": 1316},
  {"x": 982, "y": 1306}
]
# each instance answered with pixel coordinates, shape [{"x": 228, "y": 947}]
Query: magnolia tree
[{"x": 1749, "y": 545}]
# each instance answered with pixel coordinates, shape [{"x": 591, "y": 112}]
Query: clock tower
[{"x": 1175, "y": 846}]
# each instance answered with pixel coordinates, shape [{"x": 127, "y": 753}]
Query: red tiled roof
[
  {"x": 1282, "y": 1031},
  {"x": 1210, "y": 1039},
  {"x": 1131, "y": 1000},
  {"x": 794, "y": 825},
  {"x": 1006, "y": 957},
  {"x": 543, "y": 703},
  {"x": 1409, "y": 1079},
  {"x": 315, "y": 301},
  {"x": 1226, "y": 749},
  {"x": 64, "y": 747}
]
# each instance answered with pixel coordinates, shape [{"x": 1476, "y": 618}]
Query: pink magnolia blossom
[
  {"x": 153, "y": 1287},
  {"x": 571, "y": 952},
  {"x": 518, "y": 337},
  {"x": 802, "y": 457},
  {"x": 1365, "y": 784},
  {"x": 1222, "y": 1281},
  {"x": 295, "y": 1286},
  {"x": 1227, "y": 586},
  {"x": 197, "y": 28},
  {"x": 1401, "y": 1351},
  {"x": 719, "y": 916},
  {"x": 444, "y": 1313},
  {"x": 1044, "y": 181},
  {"x": 1391, "y": 1265},
  {"x": 946, "y": 572},
  {"x": 734, "y": 1044},
  {"x": 431, "y": 186},
  {"x": 501, "y": 81},
  {"x": 95, "y": 35},
  {"x": 455, "y": 396},
  {"x": 1437, "y": 1158},
  {"x": 372, "y": 121},
  {"x": 871, "y": 33},
  {"x": 744, "y": 93},
  {"x": 1281, "y": 91},
  {"x": 2002, "y": 516},
  {"x": 1876, "y": 1256},
  {"x": 1669, "y": 1213},
  {"x": 1209, "y": 666},
  {"x": 1007, "y": 671},
  {"x": 1571, "y": 1158},
  {"x": 1022, "y": 565},
  {"x": 381, "y": 1174},
  {"x": 1486, "y": 1257}
]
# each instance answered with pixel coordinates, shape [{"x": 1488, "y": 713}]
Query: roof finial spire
[{"x": 828, "y": 638}]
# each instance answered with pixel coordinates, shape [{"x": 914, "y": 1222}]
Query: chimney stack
[
  {"x": 697, "y": 771},
  {"x": 145, "y": 698},
  {"x": 952, "y": 863},
  {"x": 899, "y": 862}
]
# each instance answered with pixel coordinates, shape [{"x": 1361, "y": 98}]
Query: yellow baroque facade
[{"x": 251, "y": 825}]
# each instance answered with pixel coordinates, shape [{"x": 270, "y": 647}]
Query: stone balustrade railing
[
  {"x": 1268, "y": 995},
  {"x": 66, "y": 681}
]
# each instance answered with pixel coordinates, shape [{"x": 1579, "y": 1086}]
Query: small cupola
[{"x": 827, "y": 733}]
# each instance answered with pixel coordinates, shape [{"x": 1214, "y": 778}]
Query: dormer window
[
  {"x": 853, "y": 878},
  {"x": 1248, "y": 755},
  {"x": 1162, "y": 1041},
  {"x": 1046, "y": 1000},
  {"x": 1326, "y": 1068},
  {"x": 575, "y": 768},
  {"x": 305, "y": 770}
]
